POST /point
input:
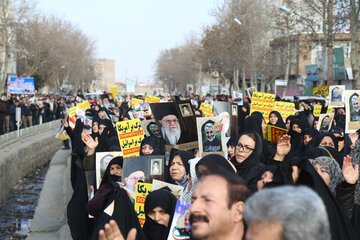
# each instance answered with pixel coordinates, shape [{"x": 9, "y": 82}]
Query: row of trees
[
  {"x": 49, "y": 48},
  {"x": 238, "y": 47}
]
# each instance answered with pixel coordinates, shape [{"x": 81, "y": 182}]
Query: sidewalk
[{"x": 50, "y": 219}]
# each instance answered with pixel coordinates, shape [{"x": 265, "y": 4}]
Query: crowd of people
[
  {"x": 305, "y": 186},
  {"x": 34, "y": 110}
]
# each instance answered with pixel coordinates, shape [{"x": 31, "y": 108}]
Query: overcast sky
[{"x": 133, "y": 32}]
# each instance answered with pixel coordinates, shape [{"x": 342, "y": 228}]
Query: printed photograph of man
[
  {"x": 325, "y": 123},
  {"x": 154, "y": 130},
  {"x": 173, "y": 124},
  {"x": 211, "y": 142},
  {"x": 336, "y": 95},
  {"x": 185, "y": 110},
  {"x": 155, "y": 167},
  {"x": 354, "y": 107}
]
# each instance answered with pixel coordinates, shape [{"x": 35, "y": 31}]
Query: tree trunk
[
  {"x": 355, "y": 48},
  {"x": 330, "y": 42}
]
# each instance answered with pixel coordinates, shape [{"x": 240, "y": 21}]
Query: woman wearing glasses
[{"x": 248, "y": 153}]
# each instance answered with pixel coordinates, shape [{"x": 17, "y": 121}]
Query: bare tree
[{"x": 56, "y": 51}]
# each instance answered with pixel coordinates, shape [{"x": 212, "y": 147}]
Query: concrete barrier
[
  {"x": 50, "y": 219},
  {"x": 20, "y": 156}
]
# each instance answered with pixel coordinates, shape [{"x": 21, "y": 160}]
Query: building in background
[
  {"x": 305, "y": 62},
  {"x": 105, "y": 72}
]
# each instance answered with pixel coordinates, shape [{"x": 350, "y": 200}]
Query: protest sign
[
  {"x": 135, "y": 102},
  {"x": 84, "y": 105},
  {"x": 262, "y": 102},
  {"x": 152, "y": 99},
  {"x": 114, "y": 91},
  {"x": 72, "y": 117},
  {"x": 180, "y": 227},
  {"x": 142, "y": 190},
  {"x": 273, "y": 133},
  {"x": 151, "y": 128},
  {"x": 176, "y": 190},
  {"x": 317, "y": 110},
  {"x": 102, "y": 160},
  {"x": 320, "y": 91},
  {"x": 352, "y": 105},
  {"x": 130, "y": 135},
  {"x": 223, "y": 109},
  {"x": 178, "y": 125},
  {"x": 238, "y": 97},
  {"x": 144, "y": 169},
  {"x": 286, "y": 109},
  {"x": 325, "y": 122},
  {"x": 207, "y": 109},
  {"x": 211, "y": 135},
  {"x": 337, "y": 96}
]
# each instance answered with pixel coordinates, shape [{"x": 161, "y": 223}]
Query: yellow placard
[
  {"x": 321, "y": 91},
  {"x": 286, "y": 109},
  {"x": 207, "y": 109},
  {"x": 152, "y": 99},
  {"x": 330, "y": 110},
  {"x": 72, "y": 112},
  {"x": 130, "y": 135},
  {"x": 262, "y": 102},
  {"x": 84, "y": 105},
  {"x": 135, "y": 102},
  {"x": 114, "y": 91},
  {"x": 317, "y": 110},
  {"x": 142, "y": 190}
]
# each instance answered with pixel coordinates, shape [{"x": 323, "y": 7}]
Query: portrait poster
[
  {"x": 273, "y": 133},
  {"x": 176, "y": 190},
  {"x": 223, "y": 109},
  {"x": 286, "y": 109},
  {"x": 337, "y": 96},
  {"x": 180, "y": 226},
  {"x": 207, "y": 109},
  {"x": 151, "y": 128},
  {"x": 142, "y": 190},
  {"x": 102, "y": 160},
  {"x": 238, "y": 97},
  {"x": 139, "y": 169},
  {"x": 190, "y": 88},
  {"x": 234, "y": 119},
  {"x": 152, "y": 99},
  {"x": 250, "y": 91},
  {"x": 352, "y": 106},
  {"x": 130, "y": 135},
  {"x": 317, "y": 110},
  {"x": 88, "y": 121},
  {"x": 325, "y": 122},
  {"x": 211, "y": 136},
  {"x": 262, "y": 102},
  {"x": 177, "y": 129}
]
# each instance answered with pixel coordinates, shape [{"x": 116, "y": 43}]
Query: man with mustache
[{"x": 217, "y": 207}]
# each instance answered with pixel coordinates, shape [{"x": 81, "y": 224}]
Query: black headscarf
[
  {"x": 156, "y": 143},
  {"x": 253, "y": 123},
  {"x": 328, "y": 134},
  {"x": 251, "y": 168},
  {"x": 280, "y": 122},
  {"x": 167, "y": 201},
  {"x": 107, "y": 176},
  {"x": 214, "y": 163},
  {"x": 324, "y": 152}
]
